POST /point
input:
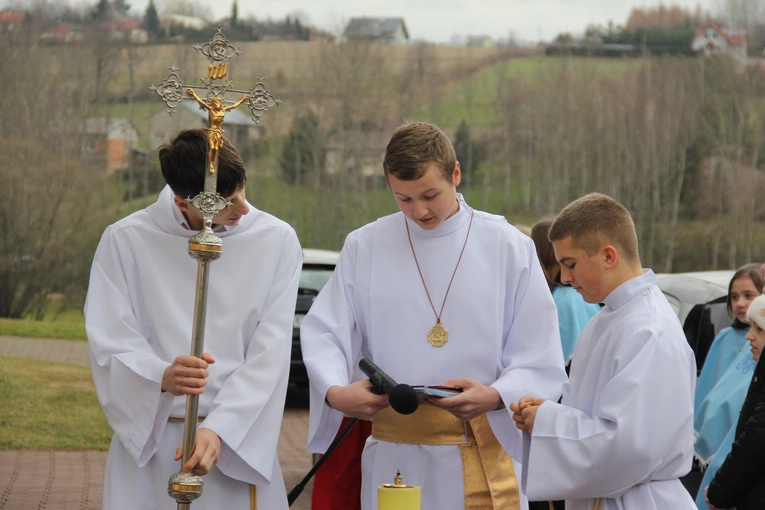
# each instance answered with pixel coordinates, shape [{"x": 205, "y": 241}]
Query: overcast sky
[{"x": 439, "y": 20}]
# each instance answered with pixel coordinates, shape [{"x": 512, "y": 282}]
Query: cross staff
[{"x": 206, "y": 246}]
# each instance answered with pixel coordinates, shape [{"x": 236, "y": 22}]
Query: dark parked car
[
  {"x": 318, "y": 266},
  {"x": 699, "y": 301}
]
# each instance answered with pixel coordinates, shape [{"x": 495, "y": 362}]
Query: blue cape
[
  {"x": 720, "y": 409},
  {"x": 717, "y": 461},
  {"x": 725, "y": 347},
  {"x": 573, "y": 315}
]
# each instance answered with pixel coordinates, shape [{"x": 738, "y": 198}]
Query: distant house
[
  {"x": 125, "y": 30},
  {"x": 12, "y": 22},
  {"x": 713, "y": 39},
  {"x": 238, "y": 126},
  {"x": 314, "y": 34},
  {"x": 381, "y": 30},
  {"x": 62, "y": 33},
  {"x": 107, "y": 144},
  {"x": 356, "y": 152}
]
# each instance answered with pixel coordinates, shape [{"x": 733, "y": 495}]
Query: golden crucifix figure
[{"x": 216, "y": 111}]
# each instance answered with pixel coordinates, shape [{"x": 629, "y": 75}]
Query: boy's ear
[
  {"x": 181, "y": 203},
  {"x": 610, "y": 256},
  {"x": 456, "y": 174}
]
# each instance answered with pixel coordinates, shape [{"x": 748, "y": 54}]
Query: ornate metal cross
[{"x": 219, "y": 97}]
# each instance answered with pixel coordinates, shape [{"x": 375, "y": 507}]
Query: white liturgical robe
[
  {"x": 500, "y": 316},
  {"x": 139, "y": 314},
  {"x": 624, "y": 431}
]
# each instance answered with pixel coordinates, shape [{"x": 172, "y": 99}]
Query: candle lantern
[{"x": 398, "y": 496}]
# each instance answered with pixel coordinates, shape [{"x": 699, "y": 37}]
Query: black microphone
[{"x": 402, "y": 397}]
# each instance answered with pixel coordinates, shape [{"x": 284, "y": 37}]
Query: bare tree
[
  {"x": 746, "y": 14},
  {"x": 418, "y": 79},
  {"x": 49, "y": 219},
  {"x": 353, "y": 97}
]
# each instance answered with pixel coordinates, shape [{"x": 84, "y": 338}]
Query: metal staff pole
[{"x": 206, "y": 247}]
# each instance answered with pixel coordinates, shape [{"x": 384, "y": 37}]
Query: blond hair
[{"x": 595, "y": 220}]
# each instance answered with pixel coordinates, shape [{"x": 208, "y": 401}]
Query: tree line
[
  {"x": 677, "y": 140},
  {"x": 90, "y": 17}
]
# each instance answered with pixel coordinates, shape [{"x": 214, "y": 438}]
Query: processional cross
[{"x": 219, "y": 97}]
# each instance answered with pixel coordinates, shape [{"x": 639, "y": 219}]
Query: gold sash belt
[
  {"x": 488, "y": 472},
  {"x": 200, "y": 419}
]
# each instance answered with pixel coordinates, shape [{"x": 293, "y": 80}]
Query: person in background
[
  {"x": 745, "y": 285},
  {"x": 740, "y": 481},
  {"x": 573, "y": 311}
]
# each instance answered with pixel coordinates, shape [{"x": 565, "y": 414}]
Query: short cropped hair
[
  {"x": 545, "y": 251},
  {"x": 184, "y": 163},
  {"x": 413, "y": 147},
  {"x": 752, "y": 271},
  {"x": 594, "y": 220}
]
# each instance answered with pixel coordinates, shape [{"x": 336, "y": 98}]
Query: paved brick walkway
[
  {"x": 38, "y": 480},
  {"x": 32, "y": 479},
  {"x": 74, "y": 352}
]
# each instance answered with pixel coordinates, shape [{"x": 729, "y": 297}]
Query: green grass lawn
[
  {"x": 49, "y": 406},
  {"x": 68, "y": 324}
]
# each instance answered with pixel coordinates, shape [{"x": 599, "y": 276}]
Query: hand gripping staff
[{"x": 204, "y": 247}]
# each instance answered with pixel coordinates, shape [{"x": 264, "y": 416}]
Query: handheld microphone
[{"x": 403, "y": 399}]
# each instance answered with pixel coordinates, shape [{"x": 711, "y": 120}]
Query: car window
[{"x": 314, "y": 277}]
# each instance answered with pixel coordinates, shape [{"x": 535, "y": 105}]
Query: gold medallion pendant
[{"x": 437, "y": 335}]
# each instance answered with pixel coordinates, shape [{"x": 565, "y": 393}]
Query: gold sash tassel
[{"x": 488, "y": 473}]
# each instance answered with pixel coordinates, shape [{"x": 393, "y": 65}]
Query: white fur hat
[{"x": 756, "y": 311}]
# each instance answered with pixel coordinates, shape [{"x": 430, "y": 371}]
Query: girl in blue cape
[
  {"x": 744, "y": 287},
  {"x": 717, "y": 413}
]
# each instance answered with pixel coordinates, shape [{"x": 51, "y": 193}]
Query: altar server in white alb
[
  {"x": 623, "y": 434},
  {"x": 139, "y": 313},
  {"x": 438, "y": 293}
]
